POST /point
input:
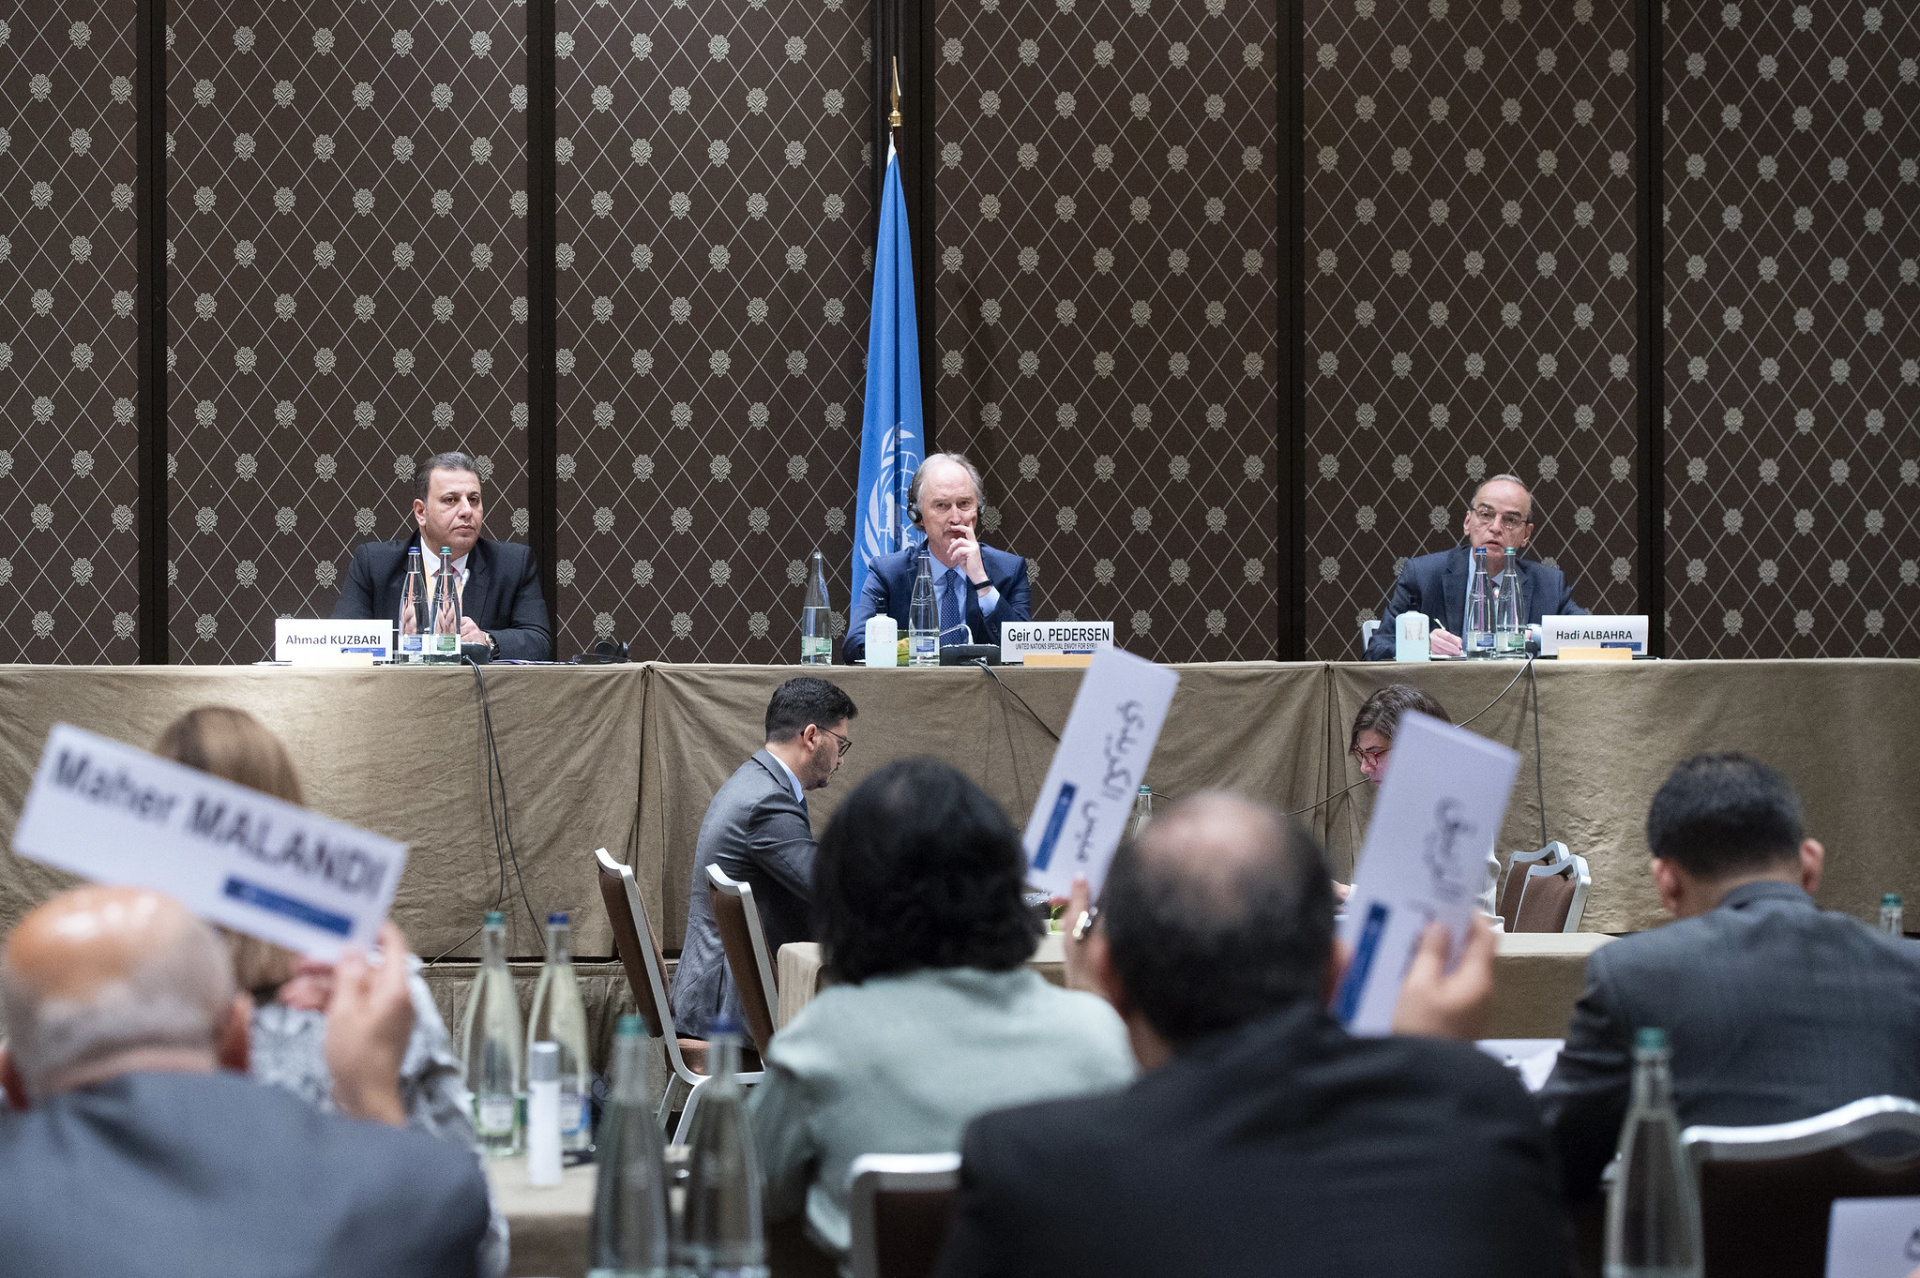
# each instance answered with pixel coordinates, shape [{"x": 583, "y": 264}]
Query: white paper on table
[
  {"x": 1531, "y": 1058},
  {"x": 1095, "y": 775},
  {"x": 1424, "y": 861},
  {"x": 1873, "y": 1237},
  {"x": 107, "y": 811}
]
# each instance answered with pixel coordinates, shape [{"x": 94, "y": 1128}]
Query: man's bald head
[
  {"x": 102, "y": 971},
  {"x": 1221, "y": 913}
]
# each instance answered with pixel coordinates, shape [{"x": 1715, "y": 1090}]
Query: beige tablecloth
[{"x": 627, "y": 757}]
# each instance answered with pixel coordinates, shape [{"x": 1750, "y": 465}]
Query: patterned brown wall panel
[
  {"x": 713, "y": 295},
  {"x": 1470, "y": 299},
  {"x": 1107, "y": 327},
  {"x": 68, "y": 485},
  {"x": 347, "y": 195},
  {"x": 1793, "y": 445}
]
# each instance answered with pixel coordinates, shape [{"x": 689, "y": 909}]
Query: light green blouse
[{"x": 901, "y": 1064}]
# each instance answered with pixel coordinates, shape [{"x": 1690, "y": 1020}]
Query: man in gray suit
[
  {"x": 1775, "y": 1008},
  {"x": 145, "y": 1149},
  {"x": 756, "y": 830}
]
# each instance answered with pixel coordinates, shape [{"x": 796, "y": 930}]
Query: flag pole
[{"x": 900, "y": 481}]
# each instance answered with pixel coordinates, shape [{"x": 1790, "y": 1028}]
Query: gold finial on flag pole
[{"x": 893, "y": 119}]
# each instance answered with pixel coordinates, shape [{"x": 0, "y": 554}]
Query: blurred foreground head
[
  {"x": 1221, "y": 913},
  {"x": 102, "y": 980},
  {"x": 231, "y": 744}
]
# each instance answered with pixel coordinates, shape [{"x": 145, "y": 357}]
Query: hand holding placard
[
  {"x": 1424, "y": 860},
  {"x": 106, "y": 811},
  {"x": 1096, "y": 771}
]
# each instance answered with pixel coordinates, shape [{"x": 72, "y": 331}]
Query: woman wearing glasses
[
  {"x": 1372, "y": 743},
  {"x": 1499, "y": 519}
]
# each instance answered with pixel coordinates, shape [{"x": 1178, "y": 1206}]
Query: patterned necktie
[{"x": 952, "y": 613}]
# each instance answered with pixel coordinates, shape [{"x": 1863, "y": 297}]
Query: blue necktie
[{"x": 952, "y": 614}]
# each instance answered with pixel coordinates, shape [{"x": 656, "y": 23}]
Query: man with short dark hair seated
[
  {"x": 757, "y": 831},
  {"x": 140, "y": 1153},
  {"x": 1263, "y": 1138},
  {"x": 1774, "y": 1008}
]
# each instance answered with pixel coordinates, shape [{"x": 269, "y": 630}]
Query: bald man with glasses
[{"x": 1500, "y": 519}]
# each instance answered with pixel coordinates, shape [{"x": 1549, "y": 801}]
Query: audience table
[
  {"x": 546, "y": 1227},
  {"x": 627, "y": 757}
]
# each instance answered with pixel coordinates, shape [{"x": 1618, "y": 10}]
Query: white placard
[
  {"x": 107, "y": 811},
  {"x": 1873, "y": 1237},
  {"x": 1424, "y": 861},
  {"x": 1629, "y": 632},
  {"x": 1095, "y": 776},
  {"x": 301, "y": 639},
  {"x": 1018, "y": 638}
]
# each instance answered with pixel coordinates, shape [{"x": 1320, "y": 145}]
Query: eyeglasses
[
  {"x": 1369, "y": 754},
  {"x": 845, "y": 745},
  {"x": 1511, "y": 520}
]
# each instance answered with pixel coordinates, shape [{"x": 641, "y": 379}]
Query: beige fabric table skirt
[
  {"x": 627, "y": 757},
  {"x": 1537, "y": 978}
]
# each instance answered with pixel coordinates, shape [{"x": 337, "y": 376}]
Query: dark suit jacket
[
  {"x": 502, "y": 594},
  {"x": 1436, "y": 584},
  {"x": 755, "y": 831},
  {"x": 215, "y": 1176},
  {"x": 1774, "y": 1008},
  {"x": 889, "y": 589},
  {"x": 1284, "y": 1147}
]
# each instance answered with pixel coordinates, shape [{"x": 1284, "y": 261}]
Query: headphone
[{"x": 913, "y": 485}]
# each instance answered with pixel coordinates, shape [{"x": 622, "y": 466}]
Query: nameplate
[
  {"x": 1074, "y": 638},
  {"x": 109, "y": 812},
  {"x": 1626, "y": 632},
  {"x": 1873, "y": 1237},
  {"x": 305, "y": 641},
  {"x": 1424, "y": 861},
  {"x": 1097, "y": 770}
]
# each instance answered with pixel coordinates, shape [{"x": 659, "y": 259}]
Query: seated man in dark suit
[
  {"x": 500, "y": 600},
  {"x": 145, "y": 1149},
  {"x": 1500, "y": 520},
  {"x": 1775, "y": 1009},
  {"x": 978, "y": 587},
  {"x": 757, "y": 830},
  {"x": 1263, "y": 1138}
]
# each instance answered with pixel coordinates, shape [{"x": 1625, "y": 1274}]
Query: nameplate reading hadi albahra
[{"x": 107, "y": 811}]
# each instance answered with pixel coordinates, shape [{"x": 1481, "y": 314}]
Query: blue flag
[{"x": 892, "y": 434}]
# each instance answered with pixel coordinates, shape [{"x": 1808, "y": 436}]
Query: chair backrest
[
  {"x": 1554, "y": 898},
  {"x": 1518, "y": 863},
  {"x": 636, "y": 944},
  {"x": 1367, "y": 629},
  {"x": 1766, "y": 1193},
  {"x": 737, "y": 918},
  {"x": 899, "y": 1207}
]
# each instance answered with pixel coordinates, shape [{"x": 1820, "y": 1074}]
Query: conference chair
[
  {"x": 744, "y": 940},
  {"x": 638, "y": 946},
  {"x": 1367, "y": 629},
  {"x": 899, "y": 1206},
  {"x": 1554, "y": 897},
  {"x": 1554, "y": 853},
  {"x": 1766, "y": 1192}
]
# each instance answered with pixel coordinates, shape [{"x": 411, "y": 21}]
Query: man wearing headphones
[
  {"x": 978, "y": 587},
  {"x": 1500, "y": 519}
]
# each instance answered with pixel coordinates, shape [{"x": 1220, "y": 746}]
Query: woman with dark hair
[
  {"x": 934, "y": 1017},
  {"x": 1371, "y": 743}
]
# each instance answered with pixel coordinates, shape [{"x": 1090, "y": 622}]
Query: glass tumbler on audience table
[
  {"x": 1653, "y": 1209},
  {"x": 724, "y": 1233},
  {"x": 490, "y": 1047},
  {"x": 1890, "y": 914},
  {"x": 560, "y": 1017},
  {"x": 923, "y": 618},
  {"x": 631, "y": 1230},
  {"x": 411, "y": 625},
  {"x": 816, "y": 628}
]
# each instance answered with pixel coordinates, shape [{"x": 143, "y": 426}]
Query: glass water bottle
[
  {"x": 490, "y": 1050},
  {"x": 1476, "y": 639},
  {"x": 816, "y": 635},
  {"x": 631, "y": 1229},
  {"x": 1509, "y": 628},
  {"x": 1890, "y": 914},
  {"x": 444, "y": 645},
  {"x": 411, "y": 626},
  {"x": 724, "y": 1233},
  {"x": 560, "y": 1017},
  {"x": 1653, "y": 1210},
  {"x": 923, "y": 618}
]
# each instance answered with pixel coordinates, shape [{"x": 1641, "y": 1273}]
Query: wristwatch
[{"x": 978, "y": 586}]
